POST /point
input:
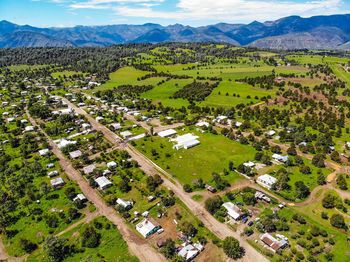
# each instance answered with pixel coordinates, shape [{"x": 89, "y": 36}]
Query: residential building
[
  {"x": 57, "y": 182},
  {"x": 274, "y": 244},
  {"x": 124, "y": 203},
  {"x": 146, "y": 228},
  {"x": 89, "y": 169},
  {"x": 103, "y": 182},
  {"x": 232, "y": 210},
  {"x": 266, "y": 181},
  {"x": 75, "y": 154}
]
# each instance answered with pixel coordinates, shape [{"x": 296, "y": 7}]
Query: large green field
[
  {"x": 212, "y": 155},
  {"x": 163, "y": 93}
]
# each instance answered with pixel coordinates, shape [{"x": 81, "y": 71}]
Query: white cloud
[
  {"x": 236, "y": 10},
  {"x": 106, "y": 4}
]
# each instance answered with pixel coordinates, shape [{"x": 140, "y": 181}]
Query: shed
[{"x": 167, "y": 133}]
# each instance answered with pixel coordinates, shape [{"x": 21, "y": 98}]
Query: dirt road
[
  {"x": 198, "y": 209},
  {"x": 137, "y": 246}
]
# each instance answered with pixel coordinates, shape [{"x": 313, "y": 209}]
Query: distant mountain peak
[{"x": 288, "y": 32}]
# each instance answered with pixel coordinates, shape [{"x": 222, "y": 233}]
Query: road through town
[
  {"x": 138, "y": 247},
  {"x": 150, "y": 168}
]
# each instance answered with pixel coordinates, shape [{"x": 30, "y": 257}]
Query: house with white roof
[
  {"x": 126, "y": 134},
  {"x": 116, "y": 126},
  {"x": 271, "y": 133},
  {"x": 103, "y": 182},
  {"x": 124, "y": 203},
  {"x": 80, "y": 197},
  {"x": 29, "y": 129},
  {"x": 232, "y": 210},
  {"x": 238, "y": 124},
  {"x": 57, "y": 182},
  {"x": 66, "y": 111},
  {"x": 89, "y": 169},
  {"x": 167, "y": 133},
  {"x": 280, "y": 158},
  {"x": 52, "y": 173},
  {"x": 75, "y": 154},
  {"x": 112, "y": 165},
  {"x": 188, "y": 252},
  {"x": 202, "y": 124},
  {"x": 220, "y": 119},
  {"x": 266, "y": 181},
  {"x": 44, "y": 152},
  {"x": 249, "y": 164},
  {"x": 85, "y": 126},
  {"x": 146, "y": 228},
  {"x": 99, "y": 118},
  {"x": 64, "y": 142}
]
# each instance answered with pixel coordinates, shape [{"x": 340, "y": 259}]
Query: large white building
[
  {"x": 266, "y": 181},
  {"x": 185, "y": 141}
]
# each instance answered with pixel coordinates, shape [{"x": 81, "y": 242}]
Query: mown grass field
[{"x": 212, "y": 155}]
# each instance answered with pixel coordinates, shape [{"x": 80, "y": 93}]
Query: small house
[
  {"x": 75, "y": 154},
  {"x": 80, "y": 197},
  {"x": 44, "y": 152},
  {"x": 103, "y": 182},
  {"x": 274, "y": 244},
  {"x": 89, "y": 169},
  {"x": 188, "y": 252},
  {"x": 116, "y": 126},
  {"x": 146, "y": 228},
  {"x": 112, "y": 165},
  {"x": 232, "y": 210},
  {"x": 266, "y": 181},
  {"x": 126, "y": 134},
  {"x": 280, "y": 158},
  {"x": 202, "y": 124},
  {"x": 52, "y": 173},
  {"x": 124, "y": 203},
  {"x": 57, "y": 182},
  {"x": 29, "y": 129}
]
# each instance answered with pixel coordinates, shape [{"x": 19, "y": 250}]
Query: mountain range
[{"x": 293, "y": 32}]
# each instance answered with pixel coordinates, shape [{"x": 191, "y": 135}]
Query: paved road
[
  {"x": 150, "y": 168},
  {"x": 138, "y": 247}
]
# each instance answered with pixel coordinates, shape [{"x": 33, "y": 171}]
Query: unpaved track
[
  {"x": 150, "y": 168},
  {"x": 138, "y": 247},
  {"x": 87, "y": 219}
]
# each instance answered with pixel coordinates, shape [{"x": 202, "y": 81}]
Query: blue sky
[{"x": 59, "y": 13}]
